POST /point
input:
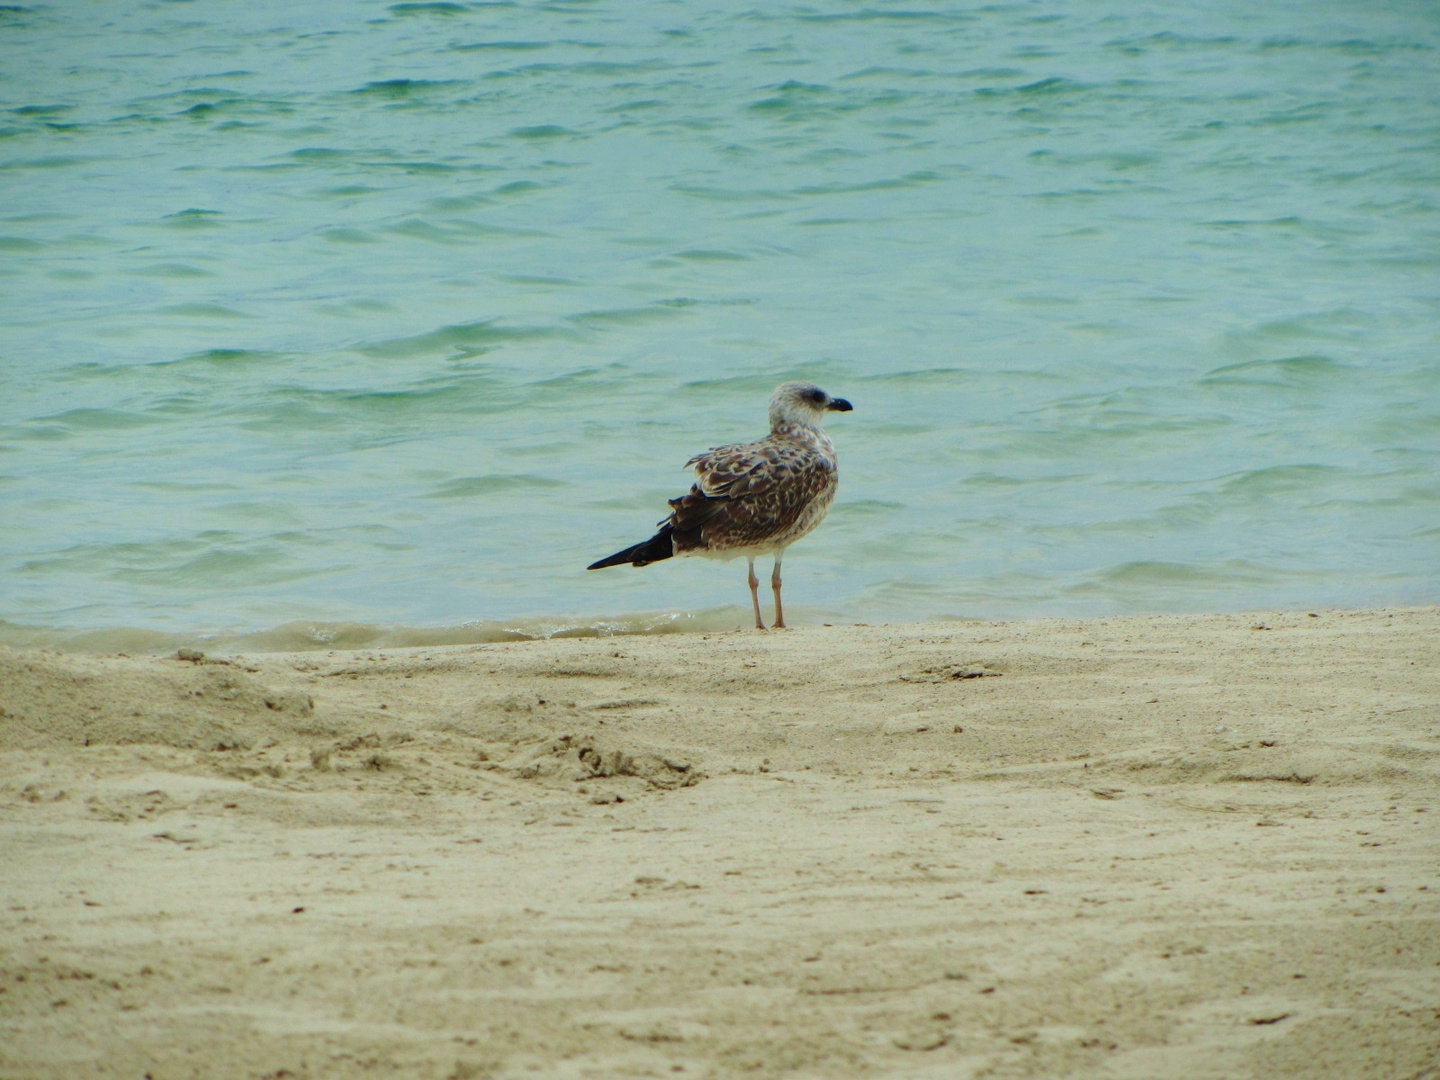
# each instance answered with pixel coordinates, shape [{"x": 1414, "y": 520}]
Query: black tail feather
[{"x": 660, "y": 546}]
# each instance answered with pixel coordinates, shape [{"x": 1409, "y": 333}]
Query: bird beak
[{"x": 839, "y": 404}]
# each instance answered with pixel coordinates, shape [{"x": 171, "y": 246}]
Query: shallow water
[{"x": 342, "y": 316}]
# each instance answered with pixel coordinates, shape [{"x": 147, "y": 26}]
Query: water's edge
[{"x": 303, "y": 636}]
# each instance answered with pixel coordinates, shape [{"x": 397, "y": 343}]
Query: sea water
[{"x": 320, "y": 319}]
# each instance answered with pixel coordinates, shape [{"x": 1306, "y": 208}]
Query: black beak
[{"x": 839, "y": 404}]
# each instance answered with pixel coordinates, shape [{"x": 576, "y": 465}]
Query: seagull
[{"x": 753, "y": 498}]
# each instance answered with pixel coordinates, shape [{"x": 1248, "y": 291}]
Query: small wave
[
  {"x": 457, "y": 232},
  {"x": 438, "y": 7},
  {"x": 349, "y": 236},
  {"x": 542, "y": 131},
  {"x": 1286, "y": 223},
  {"x": 1280, "y": 478},
  {"x": 194, "y": 218},
  {"x": 346, "y": 191},
  {"x": 41, "y": 110},
  {"x": 320, "y": 153},
  {"x": 503, "y": 46},
  {"x": 989, "y": 73},
  {"x": 760, "y": 383},
  {"x": 465, "y": 487},
  {"x": 641, "y": 105},
  {"x": 1289, "y": 371},
  {"x": 795, "y": 101},
  {"x": 1143, "y": 574},
  {"x": 1053, "y": 85},
  {"x": 912, "y": 179},
  {"x": 202, "y": 311},
  {"x": 401, "y": 88},
  {"x": 880, "y": 71},
  {"x": 466, "y": 338},
  {"x": 939, "y": 376},
  {"x": 222, "y": 357},
  {"x": 867, "y": 508},
  {"x": 204, "y": 109},
  {"x": 711, "y": 255},
  {"x": 719, "y": 194},
  {"x": 393, "y": 413},
  {"x": 56, "y": 161},
  {"x": 519, "y": 187},
  {"x": 1168, "y": 39},
  {"x": 910, "y": 15},
  {"x": 307, "y": 636},
  {"x": 631, "y": 316},
  {"x": 95, "y": 420},
  {"x": 169, "y": 270},
  {"x": 606, "y": 69},
  {"x": 537, "y": 279}
]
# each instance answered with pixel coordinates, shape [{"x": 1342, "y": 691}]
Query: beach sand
[{"x": 1182, "y": 846}]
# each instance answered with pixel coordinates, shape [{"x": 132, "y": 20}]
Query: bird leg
[
  {"x": 775, "y": 586},
  {"x": 755, "y": 595}
]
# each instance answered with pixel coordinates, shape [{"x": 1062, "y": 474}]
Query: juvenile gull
[{"x": 753, "y": 498}]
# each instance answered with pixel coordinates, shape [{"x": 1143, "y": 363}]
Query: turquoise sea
[{"x": 364, "y": 322}]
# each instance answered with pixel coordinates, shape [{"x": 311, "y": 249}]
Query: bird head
[{"x": 803, "y": 403}]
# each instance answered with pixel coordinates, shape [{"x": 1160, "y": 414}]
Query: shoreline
[
  {"x": 1175, "y": 845},
  {"x": 330, "y": 635}
]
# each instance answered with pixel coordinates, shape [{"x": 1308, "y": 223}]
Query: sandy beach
[{"x": 1182, "y": 846}]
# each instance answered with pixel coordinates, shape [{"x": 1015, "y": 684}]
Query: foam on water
[{"x": 370, "y": 316}]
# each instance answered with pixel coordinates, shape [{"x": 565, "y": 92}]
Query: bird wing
[
  {"x": 740, "y": 469},
  {"x": 747, "y": 493}
]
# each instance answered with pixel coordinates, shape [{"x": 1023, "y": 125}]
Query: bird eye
[{"x": 816, "y": 395}]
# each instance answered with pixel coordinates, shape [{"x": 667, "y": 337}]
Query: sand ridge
[{"x": 1175, "y": 846}]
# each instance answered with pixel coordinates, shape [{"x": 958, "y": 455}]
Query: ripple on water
[
  {"x": 230, "y": 558},
  {"x": 469, "y": 339},
  {"x": 195, "y": 218},
  {"x": 459, "y": 231},
  {"x": 177, "y": 270},
  {"x": 202, "y": 311},
  {"x": 397, "y": 89},
  {"x": 465, "y": 487},
  {"x": 434, "y": 7},
  {"x": 1289, "y": 372},
  {"x": 80, "y": 420}
]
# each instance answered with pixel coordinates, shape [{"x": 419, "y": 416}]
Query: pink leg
[
  {"x": 775, "y": 586},
  {"x": 755, "y": 595}
]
